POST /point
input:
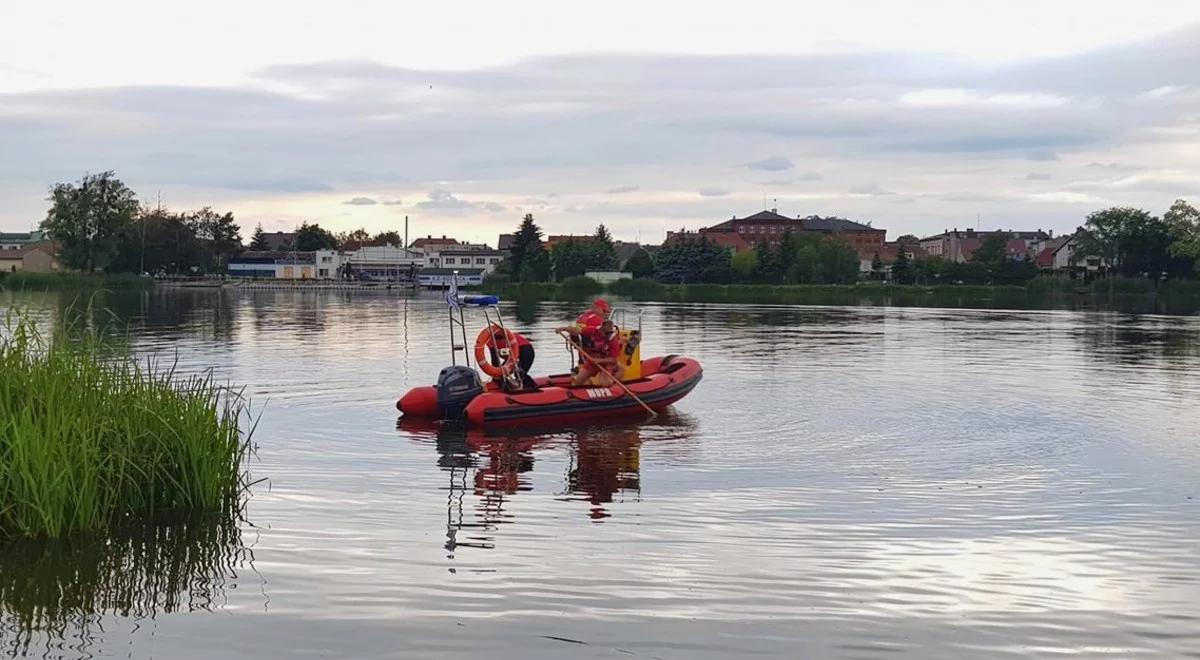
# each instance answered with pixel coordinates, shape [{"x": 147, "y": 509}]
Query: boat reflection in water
[
  {"x": 56, "y": 595},
  {"x": 487, "y": 469}
]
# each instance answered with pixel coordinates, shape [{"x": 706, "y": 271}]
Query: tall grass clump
[{"x": 88, "y": 440}]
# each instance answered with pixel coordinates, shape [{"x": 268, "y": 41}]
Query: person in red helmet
[{"x": 593, "y": 316}]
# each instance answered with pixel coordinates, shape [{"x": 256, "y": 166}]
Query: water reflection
[
  {"x": 55, "y": 594},
  {"x": 486, "y": 470}
]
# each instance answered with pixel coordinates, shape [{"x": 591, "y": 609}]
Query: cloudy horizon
[{"x": 1010, "y": 128}]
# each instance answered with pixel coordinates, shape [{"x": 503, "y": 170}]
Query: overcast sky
[{"x": 915, "y": 116}]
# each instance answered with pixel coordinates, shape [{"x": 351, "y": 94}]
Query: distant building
[
  {"x": 769, "y": 227},
  {"x": 730, "y": 240},
  {"x": 18, "y": 240},
  {"x": 377, "y": 262},
  {"x": 960, "y": 246},
  {"x": 606, "y": 276},
  {"x": 39, "y": 257},
  {"x": 1068, "y": 259},
  {"x": 283, "y": 265},
  {"x": 280, "y": 240},
  {"x": 888, "y": 253},
  {"x": 483, "y": 258},
  {"x": 442, "y": 277},
  {"x": 430, "y": 241}
]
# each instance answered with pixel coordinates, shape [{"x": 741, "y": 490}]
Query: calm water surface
[{"x": 844, "y": 483}]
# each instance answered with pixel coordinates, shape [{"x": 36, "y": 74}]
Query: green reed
[
  {"x": 29, "y": 281},
  {"x": 90, "y": 439}
]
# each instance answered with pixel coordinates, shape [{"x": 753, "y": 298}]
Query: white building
[
  {"x": 442, "y": 277},
  {"x": 273, "y": 265},
  {"x": 458, "y": 256},
  {"x": 383, "y": 262}
]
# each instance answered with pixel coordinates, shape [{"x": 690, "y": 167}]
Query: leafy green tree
[
  {"x": 1132, "y": 241},
  {"x": 992, "y": 252},
  {"x": 358, "y": 237},
  {"x": 877, "y": 267},
  {"x": 789, "y": 247},
  {"x": 1183, "y": 224},
  {"x": 571, "y": 257},
  {"x": 219, "y": 237},
  {"x": 528, "y": 259},
  {"x": 87, "y": 218},
  {"x": 907, "y": 239},
  {"x": 805, "y": 265},
  {"x": 160, "y": 241},
  {"x": 603, "y": 250},
  {"x": 386, "y": 238},
  {"x": 640, "y": 264},
  {"x": 536, "y": 267},
  {"x": 259, "y": 240},
  {"x": 769, "y": 269},
  {"x": 691, "y": 259},
  {"x": 312, "y": 237},
  {"x": 839, "y": 262},
  {"x": 744, "y": 264},
  {"x": 902, "y": 268}
]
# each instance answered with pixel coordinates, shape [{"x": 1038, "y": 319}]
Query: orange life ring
[{"x": 508, "y": 361}]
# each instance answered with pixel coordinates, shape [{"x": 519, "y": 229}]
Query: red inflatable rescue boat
[
  {"x": 508, "y": 399},
  {"x": 664, "y": 381}
]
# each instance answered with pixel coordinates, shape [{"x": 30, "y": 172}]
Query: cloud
[
  {"x": 713, "y": 192},
  {"x": 392, "y": 202},
  {"x": 872, "y": 189},
  {"x": 1041, "y": 155},
  {"x": 361, "y": 201},
  {"x": 1037, "y": 176},
  {"x": 576, "y": 124},
  {"x": 771, "y": 164},
  {"x": 440, "y": 199}
]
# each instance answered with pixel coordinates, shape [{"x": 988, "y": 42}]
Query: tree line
[
  {"x": 695, "y": 258},
  {"x": 99, "y": 225}
]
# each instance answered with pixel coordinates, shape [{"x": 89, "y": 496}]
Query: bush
[
  {"x": 575, "y": 288},
  {"x": 637, "y": 289}
]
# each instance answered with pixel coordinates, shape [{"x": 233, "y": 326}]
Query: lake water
[{"x": 846, "y": 482}]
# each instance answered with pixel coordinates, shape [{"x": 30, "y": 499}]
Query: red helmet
[{"x": 602, "y": 305}]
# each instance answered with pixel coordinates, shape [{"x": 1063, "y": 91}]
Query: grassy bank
[
  {"x": 22, "y": 280},
  {"x": 1177, "y": 297},
  {"x": 88, "y": 440}
]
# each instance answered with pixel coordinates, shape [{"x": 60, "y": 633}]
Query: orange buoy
[{"x": 508, "y": 358}]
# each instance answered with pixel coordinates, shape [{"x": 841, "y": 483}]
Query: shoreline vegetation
[
  {"x": 22, "y": 280},
  {"x": 1124, "y": 294},
  {"x": 1127, "y": 294},
  {"x": 91, "y": 440}
]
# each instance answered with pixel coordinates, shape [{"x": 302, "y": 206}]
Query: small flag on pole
[{"x": 452, "y": 292}]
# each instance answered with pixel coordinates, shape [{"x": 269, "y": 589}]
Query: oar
[{"x": 616, "y": 380}]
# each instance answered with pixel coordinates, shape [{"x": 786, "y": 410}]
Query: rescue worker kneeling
[
  {"x": 603, "y": 350},
  {"x": 525, "y": 355}
]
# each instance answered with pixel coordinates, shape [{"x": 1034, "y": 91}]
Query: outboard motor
[{"x": 457, "y": 386}]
